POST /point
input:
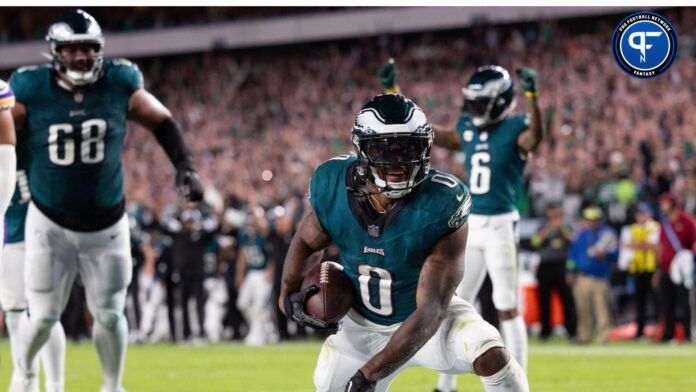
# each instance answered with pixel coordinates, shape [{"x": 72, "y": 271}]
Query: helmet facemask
[
  {"x": 78, "y": 31},
  {"x": 396, "y": 163},
  {"x": 79, "y": 72}
]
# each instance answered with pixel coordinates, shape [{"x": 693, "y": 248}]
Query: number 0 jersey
[
  {"x": 494, "y": 164},
  {"x": 383, "y": 257},
  {"x": 75, "y": 139}
]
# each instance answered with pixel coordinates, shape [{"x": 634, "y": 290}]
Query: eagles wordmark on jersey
[
  {"x": 384, "y": 258},
  {"x": 76, "y": 139},
  {"x": 494, "y": 164}
]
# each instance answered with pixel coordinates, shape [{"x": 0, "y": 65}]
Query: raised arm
[
  {"x": 529, "y": 140},
  {"x": 441, "y": 273},
  {"x": 149, "y": 112},
  {"x": 446, "y": 137}
]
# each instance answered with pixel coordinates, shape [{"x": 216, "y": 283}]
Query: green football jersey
[
  {"x": 383, "y": 256},
  {"x": 254, "y": 248},
  {"x": 17, "y": 211},
  {"x": 76, "y": 139},
  {"x": 494, "y": 164}
]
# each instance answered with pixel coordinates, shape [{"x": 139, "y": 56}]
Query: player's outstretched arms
[
  {"x": 529, "y": 140},
  {"x": 310, "y": 238},
  {"x": 149, "y": 112},
  {"x": 446, "y": 137},
  {"x": 442, "y": 271}
]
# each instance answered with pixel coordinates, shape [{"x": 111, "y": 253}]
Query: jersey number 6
[
  {"x": 91, "y": 147},
  {"x": 480, "y": 176}
]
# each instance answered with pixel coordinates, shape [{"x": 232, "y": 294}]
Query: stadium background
[{"x": 265, "y": 94}]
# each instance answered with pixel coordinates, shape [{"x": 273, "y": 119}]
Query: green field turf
[{"x": 631, "y": 367}]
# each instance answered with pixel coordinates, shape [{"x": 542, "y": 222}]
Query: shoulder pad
[{"x": 452, "y": 198}]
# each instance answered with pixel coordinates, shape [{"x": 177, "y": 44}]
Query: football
[{"x": 335, "y": 295}]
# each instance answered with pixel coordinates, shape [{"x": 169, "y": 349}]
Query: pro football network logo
[{"x": 645, "y": 44}]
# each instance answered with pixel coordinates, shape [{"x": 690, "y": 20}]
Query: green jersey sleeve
[
  {"x": 127, "y": 75},
  {"x": 325, "y": 183},
  {"x": 25, "y": 80},
  {"x": 455, "y": 201}
]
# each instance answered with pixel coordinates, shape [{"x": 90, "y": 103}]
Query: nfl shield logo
[{"x": 373, "y": 231}]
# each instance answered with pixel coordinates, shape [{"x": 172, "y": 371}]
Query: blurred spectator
[
  {"x": 638, "y": 255},
  {"x": 279, "y": 238},
  {"x": 677, "y": 243},
  {"x": 590, "y": 260},
  {"x": 552, "y": 243},
  {"x": 254, "y": 281},
  {"x": 190, "y": 240}
]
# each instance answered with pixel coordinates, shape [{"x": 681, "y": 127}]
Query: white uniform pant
[
  {"x": 253, "y": 301},
  {"x": 460, "y": 340},
  {"x": 12, "y": 296},
  {"x": 55, "y": 255},
  {"x": 492, "y": 246}
]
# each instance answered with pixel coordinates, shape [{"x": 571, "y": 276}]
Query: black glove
[
  {"x": 188, "y": 184},
  {"x": 358, "y": 383},
  {"x": 294, "y": 308}
]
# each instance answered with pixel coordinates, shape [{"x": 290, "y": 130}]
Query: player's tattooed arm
[
  {"x": 310, "y": 238},
  {"x": 446, "y": 137},
  {"x": 441, "y": 273}
]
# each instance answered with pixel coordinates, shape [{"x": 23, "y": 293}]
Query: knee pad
[{"x": 109, "y": 318}]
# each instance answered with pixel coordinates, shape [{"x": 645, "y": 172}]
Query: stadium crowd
[{"x": 260, "y": 120}]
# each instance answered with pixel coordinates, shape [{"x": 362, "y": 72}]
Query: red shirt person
[{"x": 674, "y": 296}]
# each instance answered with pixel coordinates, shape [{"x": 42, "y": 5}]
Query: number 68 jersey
[
  {"x": 494, "y": 165},
  {"x": 75, "y": 138},
  {"x": 383, "y": 255}
]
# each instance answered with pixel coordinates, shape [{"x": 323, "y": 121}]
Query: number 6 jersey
[
  {"x": 75, "y": 138},
  {"x": 383, "y": 254},
  {"x": 494, "y": 165}
]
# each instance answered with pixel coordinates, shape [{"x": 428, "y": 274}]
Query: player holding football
[
  {"x": 73, "y": 112},
  {"x": 12, "y": 293},
  {"x": 496, "y": 145},
  {"x": 401, "y": 230}
]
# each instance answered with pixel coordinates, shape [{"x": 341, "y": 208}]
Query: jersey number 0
[{"x": 91, "y": 147}]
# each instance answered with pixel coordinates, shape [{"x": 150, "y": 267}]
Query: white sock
[
  {"x": 111, "y": 346},
  {"x": 515, "y": 336},
  {"x": 53, "y": 359},
  {"x": 447, "y": 383},
  {"x": 510, "y": 378}
]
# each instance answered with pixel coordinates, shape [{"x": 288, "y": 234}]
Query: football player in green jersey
[
  {"x": 496, "y": 145},
  {"x": 74, "y": 112},
  {"x": 254, "y": 280},
  {"x": 401, "y": 229}
]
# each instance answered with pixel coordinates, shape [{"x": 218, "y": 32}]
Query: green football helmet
[
  {"x": 76, "y": 27},
  {"x": 490, "y": 95},
  {"x": 392, "y": 139}
]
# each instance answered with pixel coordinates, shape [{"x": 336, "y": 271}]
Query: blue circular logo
[{"x": 644, "y": 44}]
